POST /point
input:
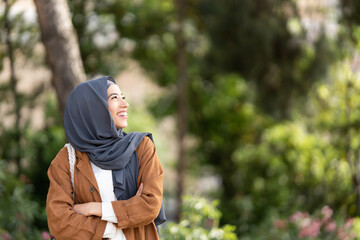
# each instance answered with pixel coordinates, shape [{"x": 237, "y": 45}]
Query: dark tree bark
[
  {"x": 181, "y": 103},
  {"x": 61, "y": 45}
]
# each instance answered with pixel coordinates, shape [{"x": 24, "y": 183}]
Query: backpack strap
[{"x": 72, "y": 159}]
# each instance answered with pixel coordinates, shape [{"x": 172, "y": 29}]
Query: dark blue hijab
[{"x": 90, "y": 128}]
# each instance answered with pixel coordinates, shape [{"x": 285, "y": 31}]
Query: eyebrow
[{"x": 111, "y": 94}]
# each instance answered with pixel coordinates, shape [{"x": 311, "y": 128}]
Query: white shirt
[{"x": 105, "y": 183}]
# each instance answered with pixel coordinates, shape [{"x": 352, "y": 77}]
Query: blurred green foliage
[
  {"x": 41, "y": 147},
  {"x": 266, "y": 44},
  {"x": 200, "y": 220},
  {"x": 17, "y": 210},
  {"x": 320, "y": 225},
  {"x": 249, "y": 66},
  {"x": 37, "y": 149},
  {"x": 274, "y": 115}
]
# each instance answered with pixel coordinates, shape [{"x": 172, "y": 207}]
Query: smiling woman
[
  {"x": 117, "y": 105},
  {"x": 117, "y": 176}
]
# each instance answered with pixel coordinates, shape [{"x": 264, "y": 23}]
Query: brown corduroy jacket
[{"x": 135, "y": 216}]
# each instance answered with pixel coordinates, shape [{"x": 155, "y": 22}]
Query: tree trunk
[
  {"x": 181, "y": 105},
  {"x": 61, "y": 45}
]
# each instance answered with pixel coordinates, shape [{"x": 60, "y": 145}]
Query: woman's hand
[
  {"x": 95, "y": 208},
  {"x": 139, "y": 191},
  {"x": 89, "y": 209}
]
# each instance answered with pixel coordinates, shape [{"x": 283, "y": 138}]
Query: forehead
[{"x": 113, "y": 89}]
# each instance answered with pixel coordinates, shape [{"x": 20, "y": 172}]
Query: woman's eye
[
  {"x": 123, "y": 97},
  {"x": 114, "y": 97}
]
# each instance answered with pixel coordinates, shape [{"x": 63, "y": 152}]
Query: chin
[{"x": 121, "y": 126}]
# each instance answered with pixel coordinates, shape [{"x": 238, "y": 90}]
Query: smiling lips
[{"x": 122, "y": 114}]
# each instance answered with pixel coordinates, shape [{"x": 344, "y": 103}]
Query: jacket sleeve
[
  {"x": 63, "y": 221},
  {"x": 142, "y": 210}
]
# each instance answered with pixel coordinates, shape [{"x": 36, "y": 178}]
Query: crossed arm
[
  {"x": 95, "y": 208},
  {"x": 69, "y": 221}
]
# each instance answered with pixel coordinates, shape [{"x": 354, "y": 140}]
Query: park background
[{"x": 254, "y": 106}]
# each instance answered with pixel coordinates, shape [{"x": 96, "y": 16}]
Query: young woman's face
[{"x": 117, "y": 106}]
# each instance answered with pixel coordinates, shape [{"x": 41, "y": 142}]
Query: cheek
[{"x": 112, "y": 108}]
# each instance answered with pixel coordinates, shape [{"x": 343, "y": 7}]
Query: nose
[{"x": 124, "y": 103}]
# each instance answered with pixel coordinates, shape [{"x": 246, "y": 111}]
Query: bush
[
  {"x": 17, "y": 211},
  {"x": 321, "y": 225},
  {"x": 199, "y": 221},
  {"x": 301, "y": 225}
]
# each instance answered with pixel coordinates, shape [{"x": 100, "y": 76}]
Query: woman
[{"x": 117, "y": 176}]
